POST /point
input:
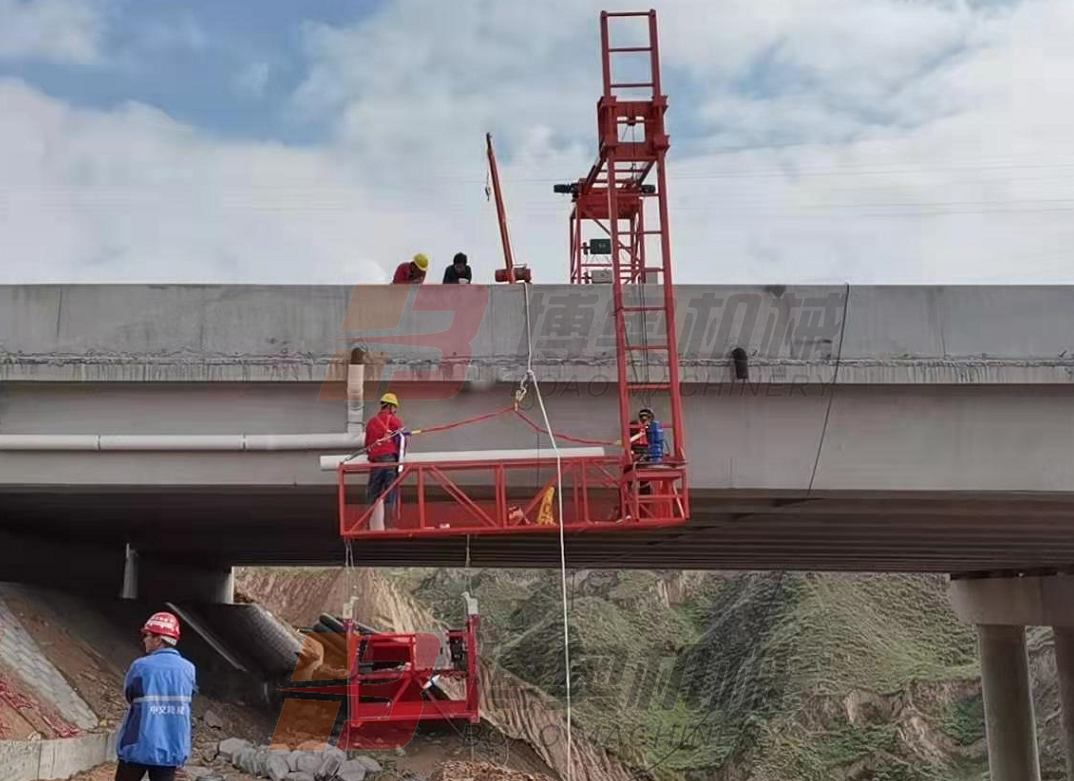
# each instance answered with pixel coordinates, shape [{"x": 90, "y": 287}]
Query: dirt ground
[
  {"x": 108, "y": 773},
  {"x": 481, "y": 771},
  {"x": 445, "y": 771},
  {"x": 98, "y": 677},
  {"x": 94, "y": 661}
]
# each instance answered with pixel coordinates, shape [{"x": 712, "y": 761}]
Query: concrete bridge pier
[
  {"x": 1002, "y": 608},
  {"x": 1010, "y": 727},
  {"x": 1064, "y": 662},
  {"x": 147, "y": 577}
]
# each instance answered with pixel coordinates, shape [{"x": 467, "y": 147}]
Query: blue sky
[
  {"x": 318, "y": 141},
  {"x": 228, "y": 67}
]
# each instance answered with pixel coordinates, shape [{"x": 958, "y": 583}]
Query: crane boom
[{"x": 510, "y": 273}]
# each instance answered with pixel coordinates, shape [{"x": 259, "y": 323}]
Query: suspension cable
[{"x": 530, "y": 375}]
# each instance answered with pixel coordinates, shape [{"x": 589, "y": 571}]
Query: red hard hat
[{"x": 163, "y": 624}]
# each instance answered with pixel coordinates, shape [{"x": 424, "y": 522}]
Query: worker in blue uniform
[
  {"x": 154, "y": 738},
  {"x": 654, "y": 436}
]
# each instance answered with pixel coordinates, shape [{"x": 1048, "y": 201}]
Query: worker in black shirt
[{"x": 458, "y": 272}]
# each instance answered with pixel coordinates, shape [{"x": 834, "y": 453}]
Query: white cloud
[
  {"x": 51, "y": 30},
  {"x": 250, "y": 81},
  {"x": 905, "y": 110},
  {"x": 131, "y": 195},
  {"x": 930, "y": 144}
]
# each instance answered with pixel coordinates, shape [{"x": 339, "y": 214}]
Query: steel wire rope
[{"x": 531, "y": 376}]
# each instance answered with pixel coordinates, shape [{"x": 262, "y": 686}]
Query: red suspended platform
[{"x": 509, "y": 492}]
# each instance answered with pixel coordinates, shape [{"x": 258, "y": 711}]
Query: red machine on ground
[
  {"x": 400, "y": 679},
  {"x": 492, "y": 492}
]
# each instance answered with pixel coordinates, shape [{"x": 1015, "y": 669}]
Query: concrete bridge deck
[{"x": 901, "y": 428}]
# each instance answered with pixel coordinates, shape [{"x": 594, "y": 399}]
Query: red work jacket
[
  {"x": 381, "y": 425},
  {"x": 403, "y": 274}
]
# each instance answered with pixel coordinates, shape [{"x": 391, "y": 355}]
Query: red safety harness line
[{"x": 488, "y": 416}]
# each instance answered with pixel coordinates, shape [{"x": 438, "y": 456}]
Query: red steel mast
[{"x": 612, "y": 197}]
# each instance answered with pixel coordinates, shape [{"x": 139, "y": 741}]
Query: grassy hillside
[
  {"x": 744, "y": 676},
  {"x": 736, "y": 677}
]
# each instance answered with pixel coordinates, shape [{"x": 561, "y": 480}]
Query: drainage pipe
[
  {"x": 178, "y": 442},
  {"x": 353, "y": 439},
  {"x": 355, "y": 392},
  {"x": 330, "y": 463}
]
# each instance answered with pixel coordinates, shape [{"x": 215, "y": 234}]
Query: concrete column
[
  {"x": 1064, "y": 663},
  {"x": 172, "y": 581},
  {"x": 1008, "y": 704},
  {"x": 130, "y": 574}
]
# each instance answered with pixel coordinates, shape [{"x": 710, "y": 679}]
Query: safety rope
[
  {"x": 577, "y": 440},
  {"x": 513, "y": 409},
  {"x": 531, "y": 375}
]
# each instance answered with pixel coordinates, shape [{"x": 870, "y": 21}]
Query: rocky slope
[{"x": 693, "y": 676}]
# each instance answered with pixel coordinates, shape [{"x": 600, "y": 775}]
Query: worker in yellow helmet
[
  {"x": 412, "y": 272},
  {"x": 383, "y": 433}
]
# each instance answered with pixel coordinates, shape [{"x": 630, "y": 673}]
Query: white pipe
[
  {"x": 355, "y": 393},
  {"x": 329, "y": 463},
  {"x": 175, "y": 442}
]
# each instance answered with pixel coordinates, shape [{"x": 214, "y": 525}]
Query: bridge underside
[{"x": 927, "y": 532}]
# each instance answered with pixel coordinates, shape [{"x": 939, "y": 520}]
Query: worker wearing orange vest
[{"x": 383, "y": 436}]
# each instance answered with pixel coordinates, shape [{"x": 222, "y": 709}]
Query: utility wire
[{"x": 831, "y": 395}]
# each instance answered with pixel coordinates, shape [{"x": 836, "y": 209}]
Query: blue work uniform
[
  {"x": 156, "y": 729},
  {"x": 655, "y": 436}
]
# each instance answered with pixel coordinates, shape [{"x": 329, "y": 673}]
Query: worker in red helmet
[{"x": 154, "y": 738}]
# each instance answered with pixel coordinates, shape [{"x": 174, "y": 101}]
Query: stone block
[
  {"x": 292, "y": 760},
  {"x": 64, "y": 758},
  {"x": 277, "y": 767},
  {"x": 330, "y": 764},
  {"x": 244, "y": 758},
  {"x": 229, "y": 749},
  {"x": 370, "y": 764},
  {"x": 309, "y": 762},
  {"x": 352, "y": 770},
  {"x": 20, "y": 759}
]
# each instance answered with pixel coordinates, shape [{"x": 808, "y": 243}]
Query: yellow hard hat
[
  {"x": 421, "y": 261},
  {"x": 389, "y": 398}
]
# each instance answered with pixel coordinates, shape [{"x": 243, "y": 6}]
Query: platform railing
[{"x": 508, "y": 496}]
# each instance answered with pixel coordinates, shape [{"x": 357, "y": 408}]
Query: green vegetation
[
  {"x": 787, "y": 677},
  {"x": 964, "y": 720}
]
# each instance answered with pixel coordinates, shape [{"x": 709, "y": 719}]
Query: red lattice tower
[{"x": 632, "y": 251}]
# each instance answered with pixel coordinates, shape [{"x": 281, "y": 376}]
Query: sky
[{"x": 324, "y": 141}]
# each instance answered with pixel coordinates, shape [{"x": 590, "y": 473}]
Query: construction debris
[{"x": 319, "y": 764}]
